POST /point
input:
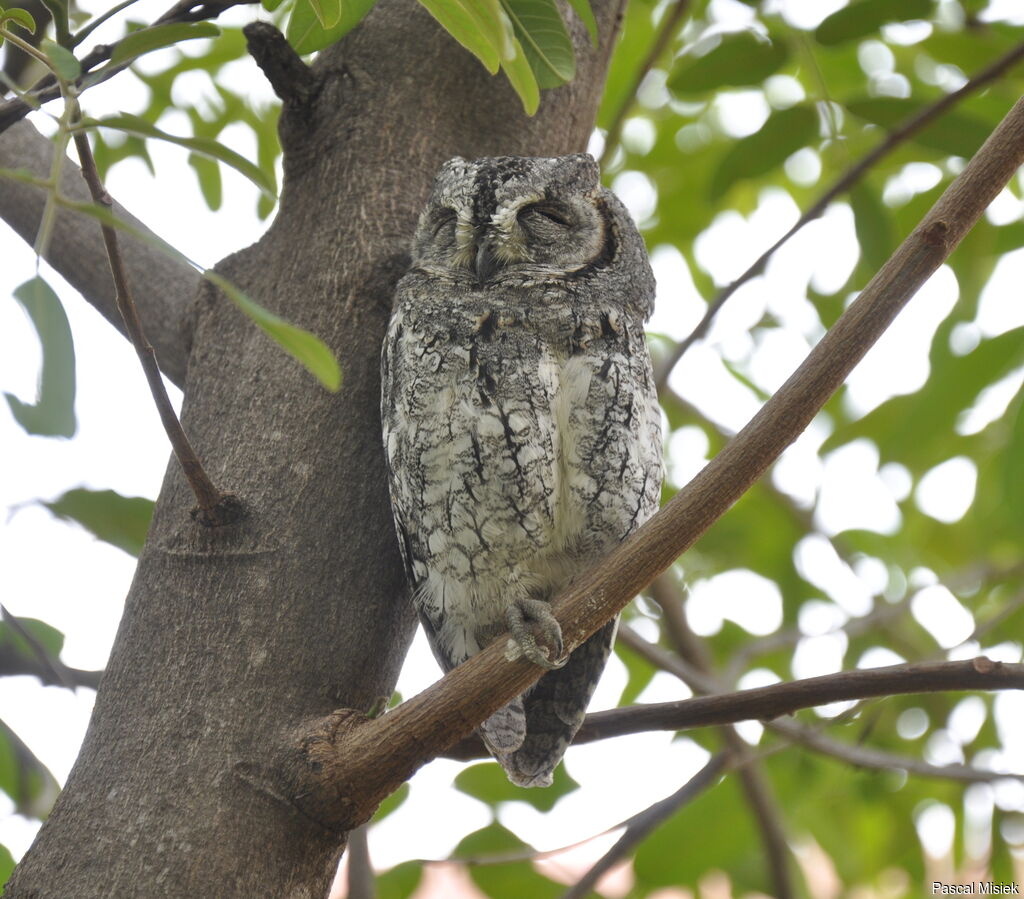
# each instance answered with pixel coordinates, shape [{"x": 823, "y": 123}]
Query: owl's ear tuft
[
  {"x": 455, "y": 164},
  {"x": 587, "y": 173}
]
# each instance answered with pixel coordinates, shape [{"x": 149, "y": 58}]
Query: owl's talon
[{"x": 519, "y": 616}]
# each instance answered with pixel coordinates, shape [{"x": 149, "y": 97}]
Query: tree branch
[
  {"x": 796, "y": 732},
  {"x": 291, "y": 79},
  {"x": 37, "y": 661},
  {"x": 756, "y": 789},
  {"x": 338, "y": 775},
  {"x": 666, "y": 31},
  {"x": 213, "y": 507},
  {"x": 847, "y": 180},
  {"x": 361, "y": 884},
  {"x": 46, "y": 88},
  {"x": 641, "y": 825},
  {"x": 77, "y": 253},
  {"x": 54, "y": 674}
]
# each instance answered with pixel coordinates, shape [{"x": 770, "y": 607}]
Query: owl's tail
[
  {"x": 503, "y": 733},
  {"x": 554, "y": 711}
]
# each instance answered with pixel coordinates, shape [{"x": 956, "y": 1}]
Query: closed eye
[
  {"x": 549, "y": 212},
  {"x": 442, "y": 220}
]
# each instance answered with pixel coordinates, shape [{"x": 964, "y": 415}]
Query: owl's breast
[{"x": 522, "y": 443}]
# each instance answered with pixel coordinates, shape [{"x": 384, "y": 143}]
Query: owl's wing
[{"x": 394, "y": 410}]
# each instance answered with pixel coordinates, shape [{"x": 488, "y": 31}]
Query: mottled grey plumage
[{"x": 521, "y": 422}]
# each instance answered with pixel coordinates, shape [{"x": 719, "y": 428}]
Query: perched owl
[{"x": 521, "y": 423}]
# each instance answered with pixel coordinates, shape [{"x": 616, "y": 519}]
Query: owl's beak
[{"x": 486, "y": 263}]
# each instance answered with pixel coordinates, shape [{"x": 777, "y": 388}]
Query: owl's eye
[
  {"x": 548, "y": 212},
  {"x": 445, "y": 218}
]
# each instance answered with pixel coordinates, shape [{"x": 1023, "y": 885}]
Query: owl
[{"x": 521, "y": 423}]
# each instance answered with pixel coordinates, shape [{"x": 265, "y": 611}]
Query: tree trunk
[{"x": 233, "y": 638}]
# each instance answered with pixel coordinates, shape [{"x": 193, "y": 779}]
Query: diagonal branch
[
  {"x": 848, "y": 179},
  {"x": 756, "y": 789},
  {"x": 666, "y": 31},
  {"x": 642, "y": 824},
  {"x": 77, "y": 253},
  {"x": 214, "y": 508},
  {"x": 338, "y": 774}
]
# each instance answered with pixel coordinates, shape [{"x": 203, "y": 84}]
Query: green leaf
[
  {"x": 718, "y": 834},
  {"x": 539, "y": 27},
  {"x": 46, "y": 635},
  {"x": 205, "y": 146},
  {"x": 460, "y": 18},
  {"x": 522, "y": 79},
  {"x": 640, "y": 673},
  {"x": 159, "y": 36},
  {"x": 62, "y": 60},
  {"x": 53, "y": 414},
  {"x": 399, "y": 882},
  {"x": 210, "y": 183},
  {"x": 327, "y": 12},
  {"x": 516, "y": 878},
  {"x": 586, "y": 14},
  {"x": 306, "y": 34},
  {"x": 58, "y": 10},
  {"x": 867, "y": 16},
  {"x": 488, "y": 783},
  {"x": 914, "y": 428},
  {"x": 24, "y": 176},
  {"x": 121, "y": 521},
  {"x": 24, "y": 778},
  {"x": 107, "y": 154},
  {"x": 741, "y": 59},
  {"x": 873, "y": 224},
  {"x": 20, "y": 17},
  {"x": 6, "y": 864},
  {"x": 954, "y": 132},
  {"x": 392, "y": 802},
  {"x": 308, "y": 349},
  {"x": 1013, "y": 468},
  {"x": 271, "y": 5},
  {"x": 105, "y": 216},
  {"x": 785, "y": 132}
]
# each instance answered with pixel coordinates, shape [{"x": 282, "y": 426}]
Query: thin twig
[
  {"x": 756, "y": 789},
  {"x": 47, "y": 88},
  {"x": 649, "y": 819},
  {"x": 861, "y": 756},
  {"x": 361, "y": 883},
  {"x": 50, "y": 665},
  {"x": 666, "y": 31},
  {"x": 214, "y": 507},
  {"x": 847, "y": 180}
]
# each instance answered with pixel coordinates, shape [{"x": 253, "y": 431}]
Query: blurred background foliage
[{"x": 722, "y": 120}]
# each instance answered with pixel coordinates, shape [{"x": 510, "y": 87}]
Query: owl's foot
[{"x": 525, "y": 617}]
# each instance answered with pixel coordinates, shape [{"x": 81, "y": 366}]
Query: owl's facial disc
[{"x": 507, "y": 216}]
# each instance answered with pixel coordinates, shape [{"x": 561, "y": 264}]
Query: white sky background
[{"x": 57, "y": 572}]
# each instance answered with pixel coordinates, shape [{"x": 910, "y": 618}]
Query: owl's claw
[{"x": 523, "y": 613}]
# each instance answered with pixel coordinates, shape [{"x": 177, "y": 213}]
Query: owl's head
[{"x": 507, "y": 217}]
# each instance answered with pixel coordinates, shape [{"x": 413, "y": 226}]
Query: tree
[{"x": 215, "y": 763}]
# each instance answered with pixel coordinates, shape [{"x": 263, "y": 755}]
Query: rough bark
[
  {"x": 165, "y": 286},
  {"x": 233, "y": 639}
]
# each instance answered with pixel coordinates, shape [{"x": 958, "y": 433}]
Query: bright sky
[{"x": 58, "y": 573}]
